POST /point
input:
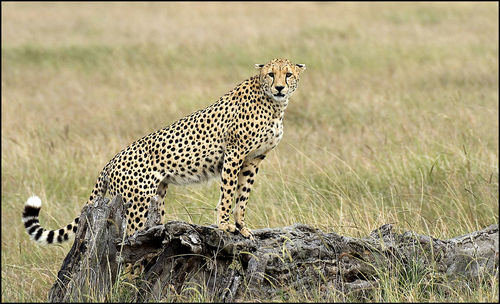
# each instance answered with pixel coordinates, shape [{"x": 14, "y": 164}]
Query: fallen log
[{"x": 182, "y": 259}]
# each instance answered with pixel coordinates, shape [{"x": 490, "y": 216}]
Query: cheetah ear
[
  {"x": 259, "y": 65},
  {"x": 301, "y": 66}
]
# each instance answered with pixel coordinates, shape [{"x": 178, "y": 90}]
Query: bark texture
[{"x": 180, "y": 258}]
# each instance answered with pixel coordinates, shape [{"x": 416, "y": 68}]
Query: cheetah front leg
[
  {"x": 246, "y": 179},
  {"x": 229, "y": 180}
]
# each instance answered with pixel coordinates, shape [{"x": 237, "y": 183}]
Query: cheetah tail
[{"x": 39, "y": 234}]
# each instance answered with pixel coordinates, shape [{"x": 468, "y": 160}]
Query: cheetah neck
[{"x": 279, "y": 107}]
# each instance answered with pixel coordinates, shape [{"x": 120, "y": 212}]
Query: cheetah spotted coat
[{"x": 228, "y": 139}]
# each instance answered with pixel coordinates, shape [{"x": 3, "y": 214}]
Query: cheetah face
[{"x": 279, "y": 78}]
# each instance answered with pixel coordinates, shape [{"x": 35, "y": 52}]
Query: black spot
[
  {"x": 50, "y": 237},
  {"x": 33, "y": 229},
  {"x": 38, "y": 233},
  {"x": 28, "y": 224},
  {"x": 30, "y": 211},
  {"x": 75, "y": 228}
]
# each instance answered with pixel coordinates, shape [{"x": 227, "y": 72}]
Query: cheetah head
[{"x": 279, "y": 78}]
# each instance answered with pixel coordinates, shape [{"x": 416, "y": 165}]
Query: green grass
[{"x": 395, "y": 119}]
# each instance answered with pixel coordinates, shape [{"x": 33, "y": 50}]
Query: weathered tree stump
[{"x": 181, "y": 257}]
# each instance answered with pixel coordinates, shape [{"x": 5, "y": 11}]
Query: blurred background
[{"x": 395, "y": 119}]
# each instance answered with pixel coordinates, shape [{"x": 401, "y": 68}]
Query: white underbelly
[
  {"x": 201, "y": 174},
  {"x": 187, "y": 179}
]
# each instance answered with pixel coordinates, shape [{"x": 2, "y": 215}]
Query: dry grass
[{"x": 395, "y": 120}]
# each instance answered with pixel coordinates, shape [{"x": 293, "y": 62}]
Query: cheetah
[{"x": 227, "y": 140}]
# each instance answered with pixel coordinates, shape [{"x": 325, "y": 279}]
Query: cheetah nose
[{"x": 279, "y": 88}]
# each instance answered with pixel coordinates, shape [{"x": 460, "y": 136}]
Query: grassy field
[{"x": 394, "y": 121}]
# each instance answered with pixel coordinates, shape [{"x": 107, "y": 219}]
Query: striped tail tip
[{"x": 39, "y": 234}]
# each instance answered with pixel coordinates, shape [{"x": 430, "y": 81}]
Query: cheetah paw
[
  {"x": 247, "y": 233},
  {"x": 227, "y": 227}
]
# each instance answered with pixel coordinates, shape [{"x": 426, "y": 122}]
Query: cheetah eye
[
  {"x": 271, "y": 74},
  {"x": 288, "y": 74}
]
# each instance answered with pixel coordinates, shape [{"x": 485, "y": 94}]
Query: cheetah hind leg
[{"x": 133, "y": 271}]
